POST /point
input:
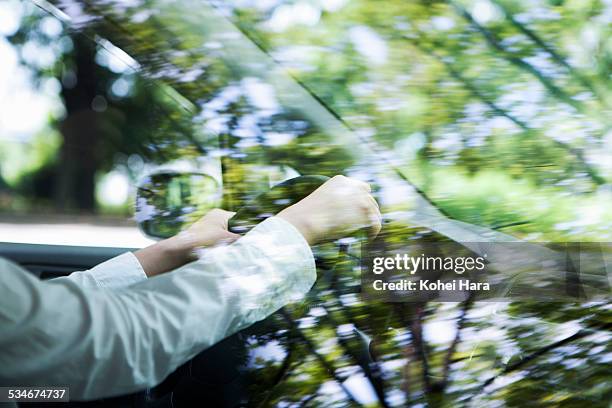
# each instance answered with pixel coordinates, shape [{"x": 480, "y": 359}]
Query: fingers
[
  {"x": 371, "y": 213},
  {"x": 376, "y": 225},
  {"x": 219, "y": 215},
  {"x": 374, "y": 217},
  {"x": 374, "y": 202},
  {"x": 218, "y": 212},
  {"x": 351, "y": 181},
  {"x": 362, "y": 185},
  {"x": 228, "y": 237}
]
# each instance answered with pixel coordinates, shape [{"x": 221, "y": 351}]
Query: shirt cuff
[
  {"x": 281, "y": 269},
  {"x": 291, "y": 238},
  {"x": 293, "y": 235},
  {"x": 123, "y": 270}
]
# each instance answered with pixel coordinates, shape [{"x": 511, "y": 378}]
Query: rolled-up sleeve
[{"x": 103, "y": 343}]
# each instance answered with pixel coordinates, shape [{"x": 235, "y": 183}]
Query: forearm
[
  {"x": 165, "y": 255},
  {"x": 172, "y": 253},
  {"x": 131, "y": 268}
]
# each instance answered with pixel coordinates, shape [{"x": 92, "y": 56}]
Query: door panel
[{"x": 50, "y": 261}]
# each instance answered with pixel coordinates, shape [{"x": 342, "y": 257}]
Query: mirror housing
[{"x": 168, "y": 202}]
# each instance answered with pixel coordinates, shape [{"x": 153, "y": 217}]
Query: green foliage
[{"x": 499, "y": 111}]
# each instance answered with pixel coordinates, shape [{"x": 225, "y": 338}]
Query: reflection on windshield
[{"x": 476, "y": 121}]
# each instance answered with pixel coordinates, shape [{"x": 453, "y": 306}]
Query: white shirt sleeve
[
  {"x": 119, "y": 272},
  {"x": 104, "y": 343}
]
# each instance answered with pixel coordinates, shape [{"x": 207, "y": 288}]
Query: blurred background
[{"x": 498, "y": 111}]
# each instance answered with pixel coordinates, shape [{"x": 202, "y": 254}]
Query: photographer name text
[{"x": 428, "y": 285}]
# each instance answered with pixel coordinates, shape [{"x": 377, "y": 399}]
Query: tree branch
[
  {"x": 539, "y": 352},
  {"x": 414, "y": 326},
  {"x": 324, "y": 363},
  {"x": 473, "y": 89},
  {"x": 557, "y": 57},
  {"x": 416, "y": 329},
  {"x": 370, "y": 369},
  {"x": 453, "y": 347},
  {"x": 518, "y": 62}
]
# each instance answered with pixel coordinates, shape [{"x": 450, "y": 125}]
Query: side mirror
[{"x": 168, "y": 202}]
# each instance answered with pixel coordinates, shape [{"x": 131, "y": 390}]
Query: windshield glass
[
  {"x": 491, "y": 120},
  {"x": 474, "y": 120}
]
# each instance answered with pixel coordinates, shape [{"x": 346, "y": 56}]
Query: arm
[
  {"x": 324, "y": 215},
  {"x": 130, "y": 268},
  {"x": 106, "y": 343}
]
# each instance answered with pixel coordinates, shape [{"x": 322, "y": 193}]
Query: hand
[
  {"x": 210, "y": 230},
  {"x": 174, "y": 252},
  {"x": 339, "y": 207}
]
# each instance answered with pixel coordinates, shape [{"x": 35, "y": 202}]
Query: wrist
[
  {"x": 301, "y": 223},
  {"x": 178, "y": 249},
  {"x": 164, "y": 256}
]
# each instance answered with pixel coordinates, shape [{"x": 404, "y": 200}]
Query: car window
[
  {"x": 474, "y": 120},
  {"x": 65, "y": 170}
]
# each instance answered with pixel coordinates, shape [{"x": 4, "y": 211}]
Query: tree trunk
[{"x": 75, "y": 188}]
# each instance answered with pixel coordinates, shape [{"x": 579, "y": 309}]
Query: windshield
[
  {"x": 476, "y": 121},
  {"x": 521, "y": 135}
]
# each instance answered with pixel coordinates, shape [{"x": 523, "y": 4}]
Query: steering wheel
[{"x": 216, "y": 375}]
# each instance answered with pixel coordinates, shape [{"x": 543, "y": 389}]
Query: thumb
[
  {"x": 227, "y": 237},
  {"x": 219, "y": 214},
  {"x": 225, "y": 216}
]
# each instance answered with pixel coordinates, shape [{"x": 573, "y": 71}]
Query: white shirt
[{"x": 110, "y": 331}]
